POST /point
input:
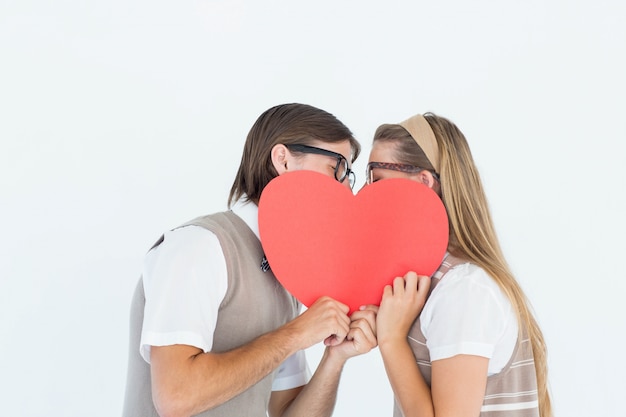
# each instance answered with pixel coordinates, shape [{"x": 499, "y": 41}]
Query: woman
[
  {"x": 476, "y": 348},
  {"x": 212, "y": 331}
]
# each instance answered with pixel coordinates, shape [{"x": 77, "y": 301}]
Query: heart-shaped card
[{"x": 320, "y": 239}]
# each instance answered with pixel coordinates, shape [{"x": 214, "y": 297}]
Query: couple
[{"x": 213, "y": 334}]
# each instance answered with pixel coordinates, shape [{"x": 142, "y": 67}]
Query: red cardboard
[{"x": 320, "y": 239}]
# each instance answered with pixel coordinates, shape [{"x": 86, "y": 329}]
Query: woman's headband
[{"x": 423, "y": 134}]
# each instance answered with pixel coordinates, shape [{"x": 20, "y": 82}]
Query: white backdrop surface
[{"x": 122, "y": 119}]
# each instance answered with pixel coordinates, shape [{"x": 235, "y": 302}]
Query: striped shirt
[{"x": 510, "y": 393}]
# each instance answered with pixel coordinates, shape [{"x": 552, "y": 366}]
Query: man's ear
[{"x": 280, "y": 157}]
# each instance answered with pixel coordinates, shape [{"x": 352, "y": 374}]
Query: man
[{"x": 212, "y": 332}]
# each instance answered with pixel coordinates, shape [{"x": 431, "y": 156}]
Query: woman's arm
[
  {"x": 411, "y": 392},
  {"x": 400, "y": 306},
  {"x": 458, "y": 383}
]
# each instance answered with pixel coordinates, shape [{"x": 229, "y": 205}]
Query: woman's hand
[
  {"x": 402, "y": 302},
  {"x": 362, "y": 335}
]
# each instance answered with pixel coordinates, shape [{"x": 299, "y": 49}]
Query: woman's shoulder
[
  {"x": 467, "y": 279},
  {"x": 467, "y": 273}
]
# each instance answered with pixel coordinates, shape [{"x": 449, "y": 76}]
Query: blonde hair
[{"x": 472, "y": 234}]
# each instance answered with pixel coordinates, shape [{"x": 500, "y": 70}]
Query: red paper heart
[{"x": 320, "y": 239}]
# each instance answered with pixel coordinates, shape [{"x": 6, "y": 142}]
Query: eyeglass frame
[
  {"x": 393, "y": 166},
  {"x": 319, "y": 151}
]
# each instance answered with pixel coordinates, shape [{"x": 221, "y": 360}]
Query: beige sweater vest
[
  {"x": 510, "y": 393},
  {"x": 255, "y": 303}
]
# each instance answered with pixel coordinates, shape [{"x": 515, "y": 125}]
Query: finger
[
  {"x": 331, "y": 341},
  {"x": 398, "y": 285},
  {"x": 387, "y": 292},
  {"x": 341, "y": 306},
  {"x": 359, "y": 314},
  {"x": 363, "y": 338},
  {"x": 364, "y": 326},
  {"x": 423, "y": 286},
  {"x": 344, "y": 316},
  {"x": 341, "y": 313},
  {"x": 336, "y": 338},
  {"x": 368, "y": 316},
  {"x": 328, "y": 302},
  {"x": 369, "y": 307},
  {"x": 411, "y": 280},
  {"x": 341, "y": 329},
  {"x": 423, "y": 282},
  {"x": 333, "y": 312}
]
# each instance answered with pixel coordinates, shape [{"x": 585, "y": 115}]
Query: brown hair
[
  {"x": 287, "y": 124},
  {"x": 472, "y": 234}
]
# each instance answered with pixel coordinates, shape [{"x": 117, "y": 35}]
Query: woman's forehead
[{"x": 383, "y": 151}]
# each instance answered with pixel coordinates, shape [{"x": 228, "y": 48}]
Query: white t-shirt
[
  {"x": 185, "y": 281},
  {"x": 467, "y": 313}
]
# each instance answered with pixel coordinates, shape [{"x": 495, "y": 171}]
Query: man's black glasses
[{"x": 342, "y": 170}]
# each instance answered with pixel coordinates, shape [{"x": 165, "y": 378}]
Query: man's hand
[{"x": 325, "y": 320}]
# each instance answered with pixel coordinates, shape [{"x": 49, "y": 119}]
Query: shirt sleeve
[
  {"x": 292, "y": 373},
  {"x": 467, "y": 313},
  {"x": 185, "y": 280}
]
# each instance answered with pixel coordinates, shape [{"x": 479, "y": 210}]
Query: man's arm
[
  {"x": 317, "y": 398},
  {"x": 186, "y": 381}
]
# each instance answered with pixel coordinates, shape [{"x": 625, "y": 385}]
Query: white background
[{"x": 122, "y": 119}]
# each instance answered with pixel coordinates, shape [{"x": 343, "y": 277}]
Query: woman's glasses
[
  {"x": 410, "y": 169},
  {"x": 342, "y": 170}
]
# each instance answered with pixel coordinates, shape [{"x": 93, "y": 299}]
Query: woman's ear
[
  {"x": 280, "y": 156},
  {"x": 426, "y": 177}
]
